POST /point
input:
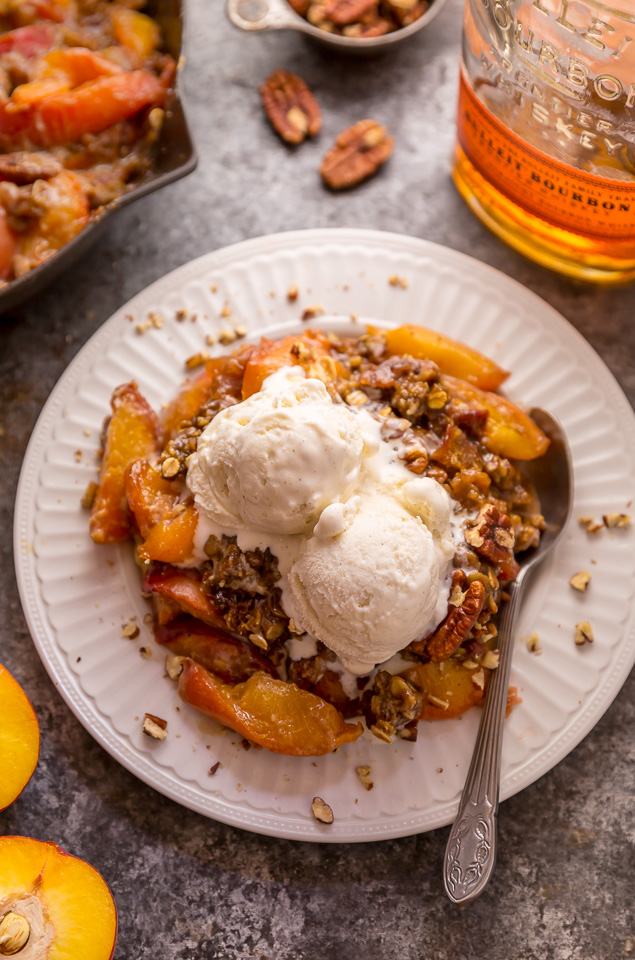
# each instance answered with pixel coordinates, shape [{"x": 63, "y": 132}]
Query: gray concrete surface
[{"x": 190, "y": 888}]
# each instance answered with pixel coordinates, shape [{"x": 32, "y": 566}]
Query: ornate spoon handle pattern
[{"x": 471, "y": 851}]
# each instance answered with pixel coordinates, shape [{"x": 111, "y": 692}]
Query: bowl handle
[{"x": 263, "y": 15}]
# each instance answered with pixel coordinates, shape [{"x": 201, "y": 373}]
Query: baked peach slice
[
  {"x": 229, "y": 658},
  {"x": 19, "y": 740},
  {"x": 167, "y": 525},
  {"x": 52, "y": 906},
  {"x": 508, "y": 431},
  {"x": 222, "y": 377},
  {"x": 277, "y": 715},
  {"x": 132, "y": 434},
  {"x": 190, "y": 398},
  {"x": 184, "y": 588},
  {"x": 447, "y": 686},
  {"x": 310, "y": 350},
  {"x": 451, "y": 357}
]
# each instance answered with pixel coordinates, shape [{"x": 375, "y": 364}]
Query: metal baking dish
[
  {"x": 254, "y": 15},
  {"x": 175, "y": 158}
]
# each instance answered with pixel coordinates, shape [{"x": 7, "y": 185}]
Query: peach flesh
[
  {"x": 19, "y": 739},
  {"x": 53, "y": 906}
]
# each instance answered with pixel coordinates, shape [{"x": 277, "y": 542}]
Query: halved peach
[
  {"x": 132, "y": 434},
  {"x": 450, "y": 356},
  {"x": 52, "y": 906},
  {"x": 19, "y": 739},
  {"x": 277, "y": 715},
  {"x": 508, "y": 431}
]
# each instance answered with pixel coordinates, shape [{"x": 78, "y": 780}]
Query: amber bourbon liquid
[{"x": 545, "y": 150}]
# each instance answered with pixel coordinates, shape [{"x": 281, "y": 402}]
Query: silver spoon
[{"x": 471, "y": 851}]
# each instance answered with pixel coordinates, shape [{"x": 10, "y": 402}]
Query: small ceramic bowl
[
  {"x": 175, "y": 158},
  {"x": 256, "y": 15}
]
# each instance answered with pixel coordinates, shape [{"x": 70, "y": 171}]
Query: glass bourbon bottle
[{"x": 545, "y": 151}]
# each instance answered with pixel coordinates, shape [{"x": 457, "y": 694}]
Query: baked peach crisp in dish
[
  {"x": 326, "y": 526},
  {"x": 83, "y": 84}
]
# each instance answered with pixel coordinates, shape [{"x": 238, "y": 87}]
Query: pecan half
[
  {"x": 343, "y": 12},
  {"x": 449, "y": 636},
  {"x": 492, "y": 536},
  {"x": 290, "y": 106},
  {"x": 358, "y": 153}
]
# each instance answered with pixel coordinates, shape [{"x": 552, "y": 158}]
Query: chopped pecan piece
[
  {"x": 390, "y": 704},
  {"x": 389, "y": 373},
  {"x": 583, "y": 633},
  {"x": 456, "y": 452},
  {"x": 449, "y": 636},
  {"x": 290, "y": 106},
  {"x": 23, "y": 168},
  {"x": 154, "y": 727},
  {"x": 358, "y": 153},
  {"x": 321, "y": 810},
  {"x": 492, "y": 536},
  {"x": 342, "y": 12}
]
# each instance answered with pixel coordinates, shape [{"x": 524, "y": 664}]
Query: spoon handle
[{"x": 471, "y": 851}]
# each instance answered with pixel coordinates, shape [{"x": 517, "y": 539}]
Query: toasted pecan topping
[
  {"x": 449, "y": 636},
  {"x": 358, "y": 153},
  {"x": 291, "y": 107},
  {"x": 492, "y": 535}
]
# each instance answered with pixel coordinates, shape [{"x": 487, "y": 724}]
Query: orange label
[{"x": 556, "y": 192}]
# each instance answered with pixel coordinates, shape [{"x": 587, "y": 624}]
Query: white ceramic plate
[{"x": 76, "y": 596}]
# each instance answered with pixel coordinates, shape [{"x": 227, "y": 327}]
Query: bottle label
[{"x": 554, "y": 191}]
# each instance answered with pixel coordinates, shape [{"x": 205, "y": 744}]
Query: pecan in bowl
[{"x": 360, "y": 19}]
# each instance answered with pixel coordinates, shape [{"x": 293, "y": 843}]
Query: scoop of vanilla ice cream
[
  {"x": 371, "y": 589},
  {"x": 273, "y": 462}
]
